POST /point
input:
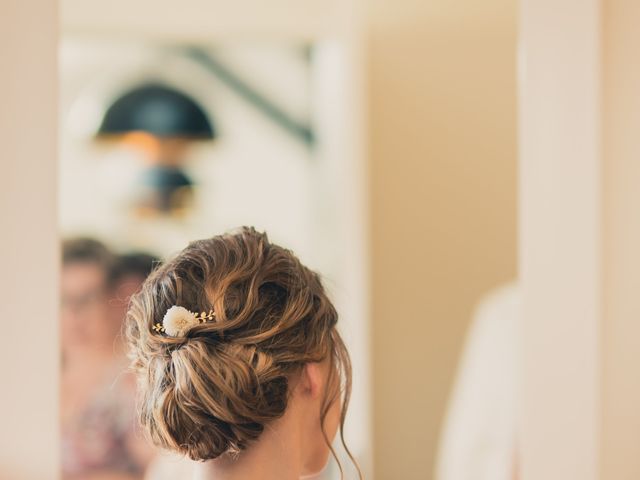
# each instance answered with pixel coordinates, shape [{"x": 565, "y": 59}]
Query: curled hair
[{"x": 215, "y": 389}]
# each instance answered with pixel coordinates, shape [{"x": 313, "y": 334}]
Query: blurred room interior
[{"x": 463, "y": 174}]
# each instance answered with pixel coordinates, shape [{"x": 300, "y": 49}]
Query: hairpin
[{"x": 178, "y": 321}]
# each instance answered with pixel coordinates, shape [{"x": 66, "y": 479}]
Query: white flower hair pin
[{"x": 178, "y": 321}]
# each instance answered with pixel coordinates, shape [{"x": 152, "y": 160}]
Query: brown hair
[
  {"x": 213, "y": 391},
  {"x": 87, "y": 250}
]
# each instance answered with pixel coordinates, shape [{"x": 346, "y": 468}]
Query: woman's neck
[{"x": 276, "y": 455}]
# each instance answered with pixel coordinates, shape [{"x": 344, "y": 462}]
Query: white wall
[
  {"x": 580, "y": 231},
  {"x": 254, "y": 173},
  {"x": 559, "y": 238}
]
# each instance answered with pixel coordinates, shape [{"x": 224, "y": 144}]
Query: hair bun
[
  {"x": 213, "y": 387},
  {"x": 216, "y": 399}
]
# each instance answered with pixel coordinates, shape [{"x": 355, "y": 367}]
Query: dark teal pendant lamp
[{"x": 166, "y": 117}]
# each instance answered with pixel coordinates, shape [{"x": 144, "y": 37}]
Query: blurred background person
[
  {"x": 100, "y": 439},
  {"x": 479, "y": 437}
]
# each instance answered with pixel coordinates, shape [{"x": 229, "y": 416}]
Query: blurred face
[
  {"x": 318, "y": 452},
  {"x": 84, "y": 307}
]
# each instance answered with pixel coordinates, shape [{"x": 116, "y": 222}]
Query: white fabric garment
[
  {"x": 170, "y": 466},
  {"x": 478, "y": 440}
]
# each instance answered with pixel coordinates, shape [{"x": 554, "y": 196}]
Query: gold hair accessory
[{"x": 178, "y": 321}]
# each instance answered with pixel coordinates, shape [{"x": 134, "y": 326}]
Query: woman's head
[
  {"x": 273, "y": 340},
  {"x": 85, "y": 291}
]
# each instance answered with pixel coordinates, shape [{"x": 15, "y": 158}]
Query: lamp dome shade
[{"x": 158, "y": 110}]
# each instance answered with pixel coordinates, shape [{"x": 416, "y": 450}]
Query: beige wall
[
  {"x": 442, "y": 101},
  {"x": 621, "y": 181},
  {"x": 443, "y": 204},
  {"x": 28, "y": 247},
  {"x": 443, "y": 208}
]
